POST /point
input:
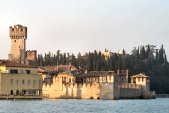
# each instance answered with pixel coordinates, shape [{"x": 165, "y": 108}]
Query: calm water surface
[{"x": 160, "y": 105}]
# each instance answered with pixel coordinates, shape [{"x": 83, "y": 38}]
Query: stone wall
[
  {"x": 70, "y": 91},
  {"x": 129, "y": 91},
  {"x": 106, "y": 91},
  {"x": 93, "y": 91},
  {"x": 63, "y": 86}
]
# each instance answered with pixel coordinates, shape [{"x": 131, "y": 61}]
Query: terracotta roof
[
  {"x": 58, "y": 68},
  {"x": 141, "y": 75},
  {"x": 9, "y": 63}
]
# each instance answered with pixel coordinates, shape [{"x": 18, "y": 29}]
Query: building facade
[
  {"x": 97, "y": 85},
  {"x": 19, "y": 81}
]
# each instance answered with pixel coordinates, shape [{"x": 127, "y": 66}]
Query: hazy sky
[{"x": 85, "y": 25}]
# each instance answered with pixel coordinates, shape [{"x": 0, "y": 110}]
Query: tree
[{"x": 161, "y": 55}]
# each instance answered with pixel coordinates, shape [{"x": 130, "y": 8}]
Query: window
[
  {"x": 11, "y": 81},
  {"x": 28, "y": 82},
  {"x": 23, "y": 92},
  {"x": 34, "y": 83},
  {"x": 134, "y": 80},
  {"x": 142, "y": 79},
  {"x": 17, "y": 92},
  {"x": 28, "y": 71},
  {"x": 40, "y": 82},
  {"x": 17, "y": 82},
  {"x": 138, "y": 79},
  {"x": 64, "y": 80},
  {"x": 23, "y": 81},
  {"x": 13, "y": 71},
  {"x": 97, "y": 79},
  {"x": 21, "y": 71},
  {"x": 106, "y": 78},
  {"x": 110, "y": 77},
  {"x": 11, "y": 92}
]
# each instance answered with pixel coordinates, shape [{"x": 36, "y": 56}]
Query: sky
[{"x": 86, "y": 25}]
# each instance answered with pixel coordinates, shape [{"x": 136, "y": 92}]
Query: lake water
[{"x": 159, "y": 105}]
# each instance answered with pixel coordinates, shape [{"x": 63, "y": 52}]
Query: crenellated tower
[
  {"x": 18, "y": 35},
  {"x": 31, "y": 57}
]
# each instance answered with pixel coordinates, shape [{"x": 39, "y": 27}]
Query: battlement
[
  {"x": 31, "y": 51},
  {"x": 130, "y": 86},
  {"x": 31, "y": 55},
  {"x": 18, "y": 31}
]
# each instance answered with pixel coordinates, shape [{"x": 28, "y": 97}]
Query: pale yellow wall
[
  {"x": 7, "y": 85},
  {"x": 141, "y": 81},
  {"x": 5, "y": 69},
  {"x": 2, "y": 69},
  {"x": 0, "y": 85},
  {"x": 9, "y": 82}
]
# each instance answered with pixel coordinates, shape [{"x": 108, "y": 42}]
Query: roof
[
  {"x": 96, "y": 74},
  {"x": 62, "y": 68},
  {"x": 9, "y": 63},
  {"x": 140, "y": 75}
]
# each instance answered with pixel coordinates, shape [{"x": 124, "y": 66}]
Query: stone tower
[
  {"x": 18, "y": 35},
  {"x": 143, "y": 80},
  {"x": 31, "y": 57}
]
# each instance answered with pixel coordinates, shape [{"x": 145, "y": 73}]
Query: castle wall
[
  {"x": 63, "y": 87},
  {"x": 106, "y": 91},
  {"x": 130, "y": 91},
  {"x": 70, "y": 91},
  {"x": 94, "y": 91}
]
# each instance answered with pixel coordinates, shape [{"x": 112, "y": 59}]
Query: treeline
[{"x": 148, "y": 59}]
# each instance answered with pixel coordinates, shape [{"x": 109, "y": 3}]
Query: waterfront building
[
  {"x": 97, "y": 85},
  {"x": 62, "y": 85},
  {"x": 19, "y": 81}
]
